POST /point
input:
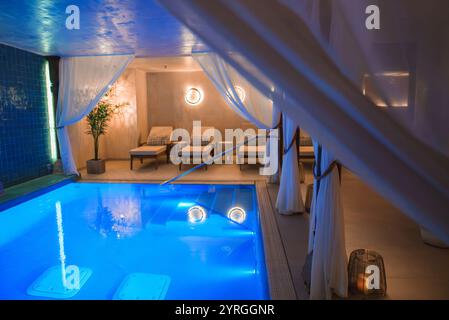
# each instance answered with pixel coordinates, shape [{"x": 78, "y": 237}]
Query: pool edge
[
  {"x": 279, "y": 276},
  {"x": 20, "y": 198}
]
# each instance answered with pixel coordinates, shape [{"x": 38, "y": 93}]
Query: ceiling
[
  {"x": 140, "y": 27},
  {"x": 166, "y": 64}
]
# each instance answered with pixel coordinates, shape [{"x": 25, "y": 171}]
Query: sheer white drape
[
  {"x": 275, "y": 41},
  {"x": 327, "y": 234},
  {"x": 273, "y": 156},
  {"x": 241, "y": 96},
  {"x": 263, "y": 112},
  {"x": 289, "y": 199},
  {"x": 82, "y": 83}
]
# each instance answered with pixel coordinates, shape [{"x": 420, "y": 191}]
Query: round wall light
[
  {"x": 196, "y": 214},
  {"x": 240, "y": 92},
  {"x": 237, "y": 214},
  {"x": 193, "y": 96}
]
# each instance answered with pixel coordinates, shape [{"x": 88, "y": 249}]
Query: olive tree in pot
[{"x": 98, "y": 120}]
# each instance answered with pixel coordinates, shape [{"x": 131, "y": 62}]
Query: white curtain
[
  {"x": 327, "y": 234},
  {"x": 274, "y": 39},
  {"x": 240, "y": 95},
  {"x": 82, "y": 83},
  {"x": 261, "y": 110},
  {"x": 273, "y": 156},
  {"x": 289, "y": 199}
]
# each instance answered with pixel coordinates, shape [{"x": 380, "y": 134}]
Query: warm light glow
[
  {"x": 196, "y": 214},
  {"x": 51, "y": 116},
  {"x": 237, "y": 214},
  {"x": 193, "y": 96},
  {"x": 240, "y": 92},
  {"x": 394, "y": 83}
]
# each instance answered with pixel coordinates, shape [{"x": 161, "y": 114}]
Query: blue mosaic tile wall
[{"x": 24, "y": 131}]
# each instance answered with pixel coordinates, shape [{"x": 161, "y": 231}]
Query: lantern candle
[{"x": 367, "y": 273}]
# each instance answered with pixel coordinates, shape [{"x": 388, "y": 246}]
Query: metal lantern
[{"x": 367, "y": 273}]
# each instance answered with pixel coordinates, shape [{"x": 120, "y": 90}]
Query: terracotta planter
[{"x": 96, "y": 166}]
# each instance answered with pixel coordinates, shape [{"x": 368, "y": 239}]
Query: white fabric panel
[
  {"x": 289, "y": 199},
  {"x": 273, "y": 40},
  {"x": 416, "y": 46},
  {"x": 327, "y": 235},
  {"x": 250, "y": 104},
  {"x": 273, "y": 156},
  {"x": 82, "y": 83}
]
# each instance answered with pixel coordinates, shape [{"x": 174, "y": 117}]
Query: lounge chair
[
  {"x": 250, "y": 152},
  {"x": 195, "y": 152},
  {"x": 157, "y": 143},
  {"x": 306, "y": 147}
]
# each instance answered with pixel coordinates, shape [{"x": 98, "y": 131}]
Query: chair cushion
[
  {"x": 197, "y": 150},
  {"x": 252, "y": 151},
  {"x": 306, "y": 150},
  {"x": 159, "y": 135},
  {"x": 306, "y": 141},
  {"x": 157, "y": 140},
  {"x": 147, "y": 150},
  {"x": 202, "y": 138}
]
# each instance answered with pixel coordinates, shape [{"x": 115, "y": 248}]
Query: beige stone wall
[
  {"x": 167, "y": 106},
  {"x": 124, "y": 129},
  {"x": 142, "y": 104},
  {"x": 155, "y": 99}
]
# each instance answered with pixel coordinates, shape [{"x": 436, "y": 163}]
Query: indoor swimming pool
[{"x": 134, "y": 241}]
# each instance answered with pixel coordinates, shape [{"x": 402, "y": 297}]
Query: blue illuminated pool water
[{"x": 116, "y": 230}]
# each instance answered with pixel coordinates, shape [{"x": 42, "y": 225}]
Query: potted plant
[{"x": 98, "y": 121}]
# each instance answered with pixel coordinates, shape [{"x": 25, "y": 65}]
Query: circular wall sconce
[
  {"x": 240, "y": 92},
  {"x": 193, "y": 96},
  {"x": 237, "y": 214},
  {"x": 196, "y": 214}
]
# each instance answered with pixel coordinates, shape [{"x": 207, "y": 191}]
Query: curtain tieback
[
  {"x": 292, "y": 142},
  {"x": 329, "y": 169},
  {"x": 278, "y": 125}
]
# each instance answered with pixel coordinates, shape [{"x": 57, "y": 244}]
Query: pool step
[
  {"x": 49, "y": 284},
  {"x": 143, "y": 286}
]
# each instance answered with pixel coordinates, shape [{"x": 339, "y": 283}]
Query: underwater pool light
[
  {"x": 237, "y": 214},
  {"x": 51, "y": 116},
  {"x": 196, "y": 214}
]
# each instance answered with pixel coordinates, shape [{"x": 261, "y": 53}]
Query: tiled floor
[
  {"x": 119, "y": 170},
  {"x": 414, "y": 270},
  {"x": 29, "y": 187}
]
